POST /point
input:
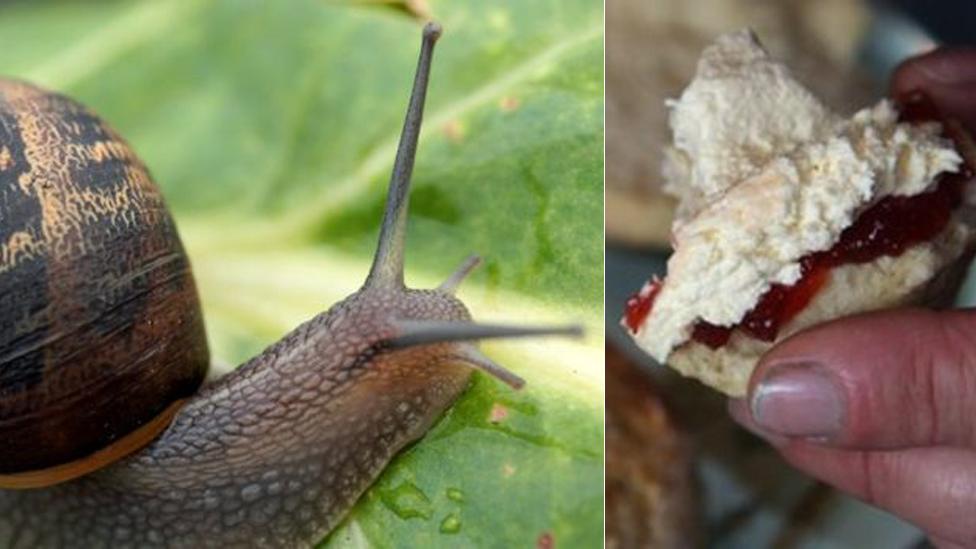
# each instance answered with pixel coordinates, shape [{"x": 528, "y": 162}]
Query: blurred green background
[{"x": 271, "y": 128}]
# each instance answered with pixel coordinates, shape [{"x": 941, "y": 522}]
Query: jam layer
[{"x": 886, "y": 229}]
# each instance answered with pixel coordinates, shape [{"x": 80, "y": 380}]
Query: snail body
[
  {"x": 272, "y": 454},
  {"x": 275, "y": 453}
]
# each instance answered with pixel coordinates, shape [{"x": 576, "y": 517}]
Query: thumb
[{"x": 886, "y": 380}]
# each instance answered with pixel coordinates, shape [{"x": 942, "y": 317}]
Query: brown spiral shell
[{"x": 100, "y": 325}]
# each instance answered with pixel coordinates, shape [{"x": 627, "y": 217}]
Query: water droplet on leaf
[
  {"x": 451, "y": 524},
  {"x": 407, "y": 501}
]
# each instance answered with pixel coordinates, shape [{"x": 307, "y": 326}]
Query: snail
[{"x": 110, "y": 435}]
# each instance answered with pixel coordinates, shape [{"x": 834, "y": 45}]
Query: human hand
[{"x": 883, "y": 405}]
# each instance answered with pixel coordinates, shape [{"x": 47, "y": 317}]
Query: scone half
[
  {"x": 796, "y": 217},
  {"x": 927, "y": 274}
]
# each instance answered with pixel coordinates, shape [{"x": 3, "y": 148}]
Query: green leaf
[{"x": 272, "y": 126}]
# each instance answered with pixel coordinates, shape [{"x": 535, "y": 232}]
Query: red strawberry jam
[
  {"x": 639, "y": 305},
  {"x": 711, "y": 335},
  {"x": 887, "y": 228},
  {"x": 916, "y": 107}
]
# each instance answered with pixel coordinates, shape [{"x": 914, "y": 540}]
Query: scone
[
  {"x": 651, "y": 55},
  {"x": 650, "y": 492},
  {"x": 791, "y": 215}
]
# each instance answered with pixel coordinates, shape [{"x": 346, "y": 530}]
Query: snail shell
[{"x": 101, "y": 332}]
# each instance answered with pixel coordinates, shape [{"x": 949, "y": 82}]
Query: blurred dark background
[{"x": 952, "y": 22}]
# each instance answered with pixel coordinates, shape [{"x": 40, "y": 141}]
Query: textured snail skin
[
  {"x": 100, "y": 325},
  {"x": 272, "y": 455}
]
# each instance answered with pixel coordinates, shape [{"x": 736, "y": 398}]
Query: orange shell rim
[{"x": 119, "y": 449}]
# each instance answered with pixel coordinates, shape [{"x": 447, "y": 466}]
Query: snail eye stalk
[
  {"x": 427, "y": 332},
  {"x": 450, "y": 285},
  {"x": 387, "y": 269}
]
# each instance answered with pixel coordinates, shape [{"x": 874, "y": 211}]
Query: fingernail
[
  {"x": 798, "y": 400},
  {"x": 739, "y": 411}
]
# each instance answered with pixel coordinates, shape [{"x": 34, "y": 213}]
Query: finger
[
  {"x": 947, "y": 76},
  {"x": 884, "y": 380},
  {"x": 872, "y": 482},
  {"x": 942, "y": 543},
  {"x": 934, "y": 488}
]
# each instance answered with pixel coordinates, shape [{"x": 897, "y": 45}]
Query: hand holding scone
[{"x": 883, "y": 405}]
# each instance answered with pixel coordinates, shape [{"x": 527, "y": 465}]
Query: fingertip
[
  {"x": 907, "y": 78},
  {"x": 938, "y": 68},
  {"x": 910, "y": 76},
  {"x": 946, "y": 76}
]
